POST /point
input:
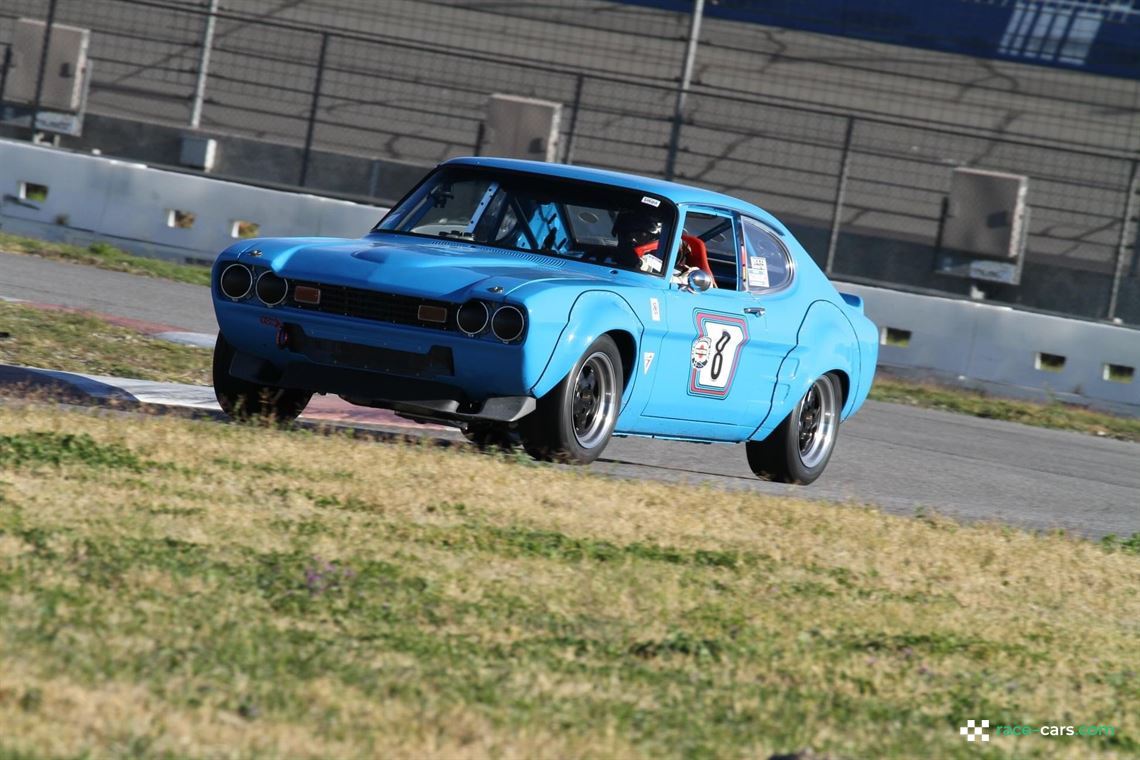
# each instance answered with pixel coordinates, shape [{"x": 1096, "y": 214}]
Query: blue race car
[{"x": 556, "y": 306}]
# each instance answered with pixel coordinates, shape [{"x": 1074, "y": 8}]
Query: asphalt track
[{"x": 902, "y": 459}]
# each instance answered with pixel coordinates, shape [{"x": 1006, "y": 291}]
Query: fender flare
[
  {"x": 594, "y": 313},
  {"x": 867, "y": 340},
  {"x": 825, "y": 341}
]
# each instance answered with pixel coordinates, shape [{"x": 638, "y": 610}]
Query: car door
[{"x": 717, "y": 363}]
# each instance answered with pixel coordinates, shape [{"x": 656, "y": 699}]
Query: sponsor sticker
[
  {"x": 647, "y": 360},
  {"x": 757, "y": 271},
  {"x": 655, "y": 310},
  {"x": 650, "y": 201},
  {"x": 702, "y": 347}
]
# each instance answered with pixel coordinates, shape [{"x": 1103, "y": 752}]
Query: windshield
[{"x": 600, "y": 224}]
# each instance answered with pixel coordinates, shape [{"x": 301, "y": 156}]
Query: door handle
[{"x": 757, "y": 310}]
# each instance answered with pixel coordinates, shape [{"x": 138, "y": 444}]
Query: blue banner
[{"x": 1100, "y": 36}]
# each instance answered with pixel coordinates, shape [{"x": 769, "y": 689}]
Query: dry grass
[
  {"x": 169, "y": 586},
  {"x": 76, "y": 342},
  {"x": 1055, "y": 415},
  {"x": 106, "y": 256}
]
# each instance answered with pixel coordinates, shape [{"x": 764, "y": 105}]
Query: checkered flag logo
[{"x": 972, "y": 731}]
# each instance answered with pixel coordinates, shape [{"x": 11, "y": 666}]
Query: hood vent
[{"x": 550, "y": 262}]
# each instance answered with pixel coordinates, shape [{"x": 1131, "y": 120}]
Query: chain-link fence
[{"x": 852, "y": 141}]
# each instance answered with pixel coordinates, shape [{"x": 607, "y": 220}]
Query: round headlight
[
  {"x": 508, "y": 323},
  {"x": 472, "y": 317},
  {"x": 271, "y": 289},
  {"x": 236, "y": 281}
]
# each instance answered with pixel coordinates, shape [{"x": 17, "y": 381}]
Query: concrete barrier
[
  {"x": 1005, "y": 351},
  {"x": 81, "y": 198},
  {"x": 148, "y": 211}
]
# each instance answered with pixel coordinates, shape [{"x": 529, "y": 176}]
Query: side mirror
[{"x": 699, "y": 281}]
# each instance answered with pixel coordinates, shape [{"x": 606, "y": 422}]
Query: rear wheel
[
  {"x": 574, "y": 421},
  {"x": 799, "y": 449},
  {"x": 243, "y": 400}
]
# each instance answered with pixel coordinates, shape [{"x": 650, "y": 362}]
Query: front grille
[
  {"x": 373, "y": 305},
  {"x": 437, "y": 361}
]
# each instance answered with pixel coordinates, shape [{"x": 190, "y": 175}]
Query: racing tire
[
  {"x": 575, "y": 420},
  {"x": 244, "y": 400},
  {"x": 798, "y": 450}
]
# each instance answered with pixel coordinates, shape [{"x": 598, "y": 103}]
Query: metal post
[
  {"x": 568, "y": 157},
  {"x": 480, "y": 136},
  {"x": 374, "y": 178},
  {"x": 4, "y": 72},
  {"x": 43, "y": 68},
  {"x": 683, "y": 89},
  {"x": 840, "y": 192},
  {"x": 313, "y": 109},
  {"x": 204, "y": 65},
  {"x": 1125, "y": 230}
]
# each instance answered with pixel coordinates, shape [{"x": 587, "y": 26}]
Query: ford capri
[{"x": 554, "y": 306}]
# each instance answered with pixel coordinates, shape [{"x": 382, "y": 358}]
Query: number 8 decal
[
  {"x": 718, "y": 356},
  {"x": 716, "y": 353}
]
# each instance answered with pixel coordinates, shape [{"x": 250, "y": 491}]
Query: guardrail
[
  {"x": 81, "y": 198},
  {"x": 1004, "y": 350}
]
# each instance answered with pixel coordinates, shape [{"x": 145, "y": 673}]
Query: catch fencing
[{"x": 852, "y": 142}]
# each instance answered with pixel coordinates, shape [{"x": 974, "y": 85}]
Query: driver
[{"x": 638, "y": 234}]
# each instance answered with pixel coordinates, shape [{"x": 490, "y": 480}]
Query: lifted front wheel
[
  {"x": 243, "y": 400},
  {"x": 491, "y": 436}
]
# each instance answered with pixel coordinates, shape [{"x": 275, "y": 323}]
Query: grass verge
[
  {"x": 105, "y": 256},
  {"x": 75, "y": 342},
  {"x": 183, "y": 587},
  {"x": 976, "y": 404}
]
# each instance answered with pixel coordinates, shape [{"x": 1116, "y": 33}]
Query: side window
[
  {"x": 719, "y": 236},
  {"x": 768, "y": 265}
]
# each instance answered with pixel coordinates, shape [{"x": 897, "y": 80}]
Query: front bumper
[{"x": 420, "y": 385}]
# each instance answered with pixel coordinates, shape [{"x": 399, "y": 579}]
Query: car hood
[{"x": 442, "y": 269}]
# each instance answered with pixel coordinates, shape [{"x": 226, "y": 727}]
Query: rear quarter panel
[
  {"x": 834, "y": 335},
  {"x": 825, "y": 342}
]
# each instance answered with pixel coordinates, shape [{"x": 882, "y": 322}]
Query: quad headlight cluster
[
  {"x": 505, "y": 321},
  {"x": 238, "y": 282}
]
